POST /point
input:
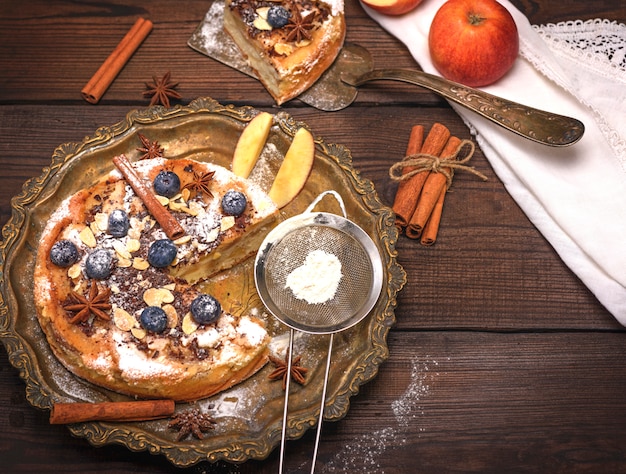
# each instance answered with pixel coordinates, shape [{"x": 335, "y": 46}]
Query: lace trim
[
  {"x": 602, "y": 42},
  {"x": 598, "y": 45}
]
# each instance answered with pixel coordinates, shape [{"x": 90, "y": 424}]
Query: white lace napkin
[{"x": 575, "y": 196}]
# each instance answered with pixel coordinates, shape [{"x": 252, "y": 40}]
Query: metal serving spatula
[{"x": 337, "y": 88}]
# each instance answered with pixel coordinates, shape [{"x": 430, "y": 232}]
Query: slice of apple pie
[{"x": 288, "y": 43}]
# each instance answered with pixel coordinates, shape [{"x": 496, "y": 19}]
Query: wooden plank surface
[{"x": 500, "y": 360}]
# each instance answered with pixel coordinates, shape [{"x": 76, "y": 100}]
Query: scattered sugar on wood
[
  {"x": 408, "y": 406},
  {"x": 364, "y": 453}
]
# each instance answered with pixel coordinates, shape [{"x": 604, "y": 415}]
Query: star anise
[
  {"x": 299, "y": 27},
  {"x": 191, "y": 422},
  {"x": 201, "y": 183},
  {"x": 298, "y": 373},
  {"x": 149, "y": 149},
  {"x": 96, "y": 302},
  {"x": 161, "y": 90}
]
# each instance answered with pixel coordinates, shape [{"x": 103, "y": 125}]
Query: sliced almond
[
  {"x": 163, "y": 200},
  {"x": 176, "y": 205},
  {"x": 134, "y": 233},
  {"x": 94, "y": 228},
  {"x": 123, "y": 320},
  {"x": 189, "y": 325},
  {"x": 139, "y": 333},
  {"x": 283, "y": 49},
  {"x": 172, "y": 315},
  {"x": 86, "y": 237},
  {"x": 152, "y": 297},
  {"x": 121, "y": 250},
  {"x": 157, "y": 296},
  {"x": 195, "y": 208},
  {"x": 262, "y": 12},
  {"x": 213, "y": 234},
  {"x": 226, "y": 223},
  {"x": 261, "y": 24},
  {"x": 183, "y": 240},
  {"x": 74, "y": 271},
  {"x": 101, "y": 220},
  {"x": 136, "y": 226},
  {"x": 188, "y": 210},
  {"x": 168, "y": 296},
  {"x": 140, "y": 263},
  {"x": 133, "y": 245},
  {"x": 124, "y": 262}
]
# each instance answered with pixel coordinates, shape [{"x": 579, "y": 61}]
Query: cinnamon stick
[
  {"x": 431, "y": 229},
  {"x": 408, "y": 190},
  {"x": 168, "y": 222},
  {"x": 64, "y": 413},
  {"x": 111, "y": 67},
  {"x": 431, "y": 191}
]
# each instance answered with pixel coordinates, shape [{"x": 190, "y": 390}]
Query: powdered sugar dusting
[
  {"x": 266, "y": 167},
  {"x": 255, "y": 333},
  {"x": 408, "y": 407},
  {"x": 363, "y": 453},
  {"x": 134, "y": 363},
  {"x": 212, "y": 32},
  {"x": 336, "y": 6}
]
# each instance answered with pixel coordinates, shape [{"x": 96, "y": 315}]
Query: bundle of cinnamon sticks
[{"x": 424, "y": 179}]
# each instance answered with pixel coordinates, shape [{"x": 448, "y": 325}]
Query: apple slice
[
  {"x": 295, "y": 169},
  {"x": 251, "y": 143}
]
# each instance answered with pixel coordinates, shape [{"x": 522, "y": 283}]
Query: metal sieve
[{"x": 285, "y": 249}]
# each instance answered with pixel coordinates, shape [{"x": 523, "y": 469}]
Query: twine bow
[{"x": 424, "y": 162}]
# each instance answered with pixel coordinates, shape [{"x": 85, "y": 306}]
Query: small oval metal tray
[{"x": 249, "y": 415}]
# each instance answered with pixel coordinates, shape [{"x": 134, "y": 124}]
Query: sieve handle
[{"x": 336, "y": 195}]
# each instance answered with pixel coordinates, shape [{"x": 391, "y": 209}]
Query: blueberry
[
  {"x": 234, "y": 203},
  {"x": 161, "y": 253},
  {"x": 166, "y": 183},
  {"x": 205, "y": 309},
  {"x": 64, "y": 253},
  {"x": 99, "y": 264},
  {"x": 278, "y": 16},
  {"x": 153, "y": 319},
  {"x": 118, "y": 223}
]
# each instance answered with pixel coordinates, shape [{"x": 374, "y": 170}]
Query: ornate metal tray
[{"x": 249, "y": 415}]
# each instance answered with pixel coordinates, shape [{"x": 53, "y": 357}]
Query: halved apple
[
  {"x": 294, "y": 170},
  {"x": 251, "y": 143}
]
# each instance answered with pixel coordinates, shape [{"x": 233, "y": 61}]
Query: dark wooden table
[{"x": 501, "y": 359}]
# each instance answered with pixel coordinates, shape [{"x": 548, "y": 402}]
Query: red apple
[
  {"x": 392, "y": 7},
  {"x": 474, "y": 42}
]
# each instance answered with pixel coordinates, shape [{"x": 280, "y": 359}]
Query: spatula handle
[{"x": 537, "y": 125}]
